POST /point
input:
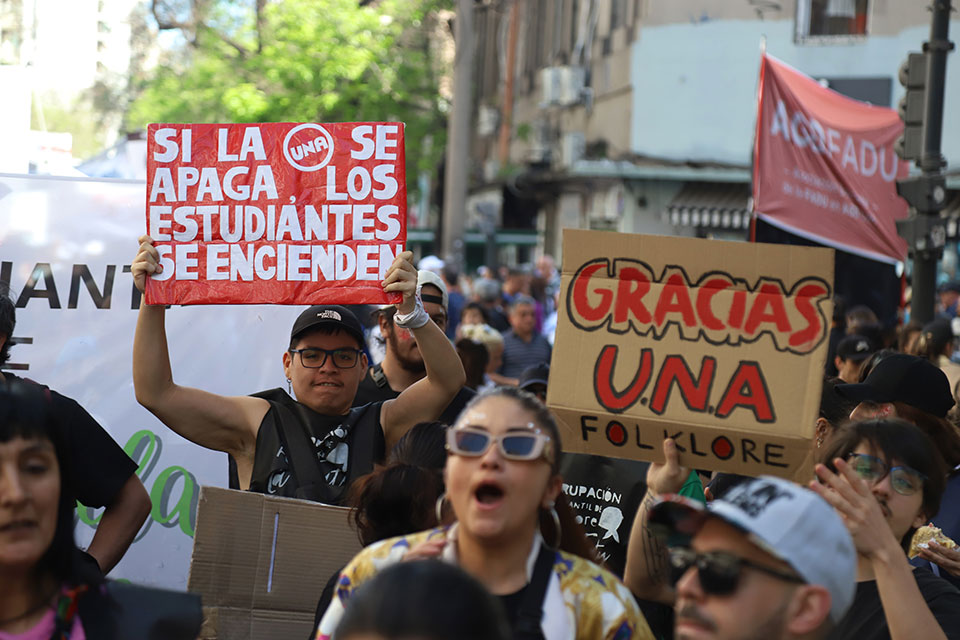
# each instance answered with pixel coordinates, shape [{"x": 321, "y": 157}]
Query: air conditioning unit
[
  {"x": 561, "y": 86},
  {"x": 571, "y": 81},
  {"x": 549, "y": 86},
  {"x": 540, "y": 143},
  {"x": 487, "y": 120},
  {"x": 572, "y": 147}
]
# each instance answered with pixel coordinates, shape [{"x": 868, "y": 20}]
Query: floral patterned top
[{"x": 583, "y": 601}]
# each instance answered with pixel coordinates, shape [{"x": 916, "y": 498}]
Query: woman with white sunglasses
[{"x": 502, "y": 481}]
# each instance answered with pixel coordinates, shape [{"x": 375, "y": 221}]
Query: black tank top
[{"x": 346, "y": 446}]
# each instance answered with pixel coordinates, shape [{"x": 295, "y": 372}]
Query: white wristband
[{"x": 413, "y": 320}]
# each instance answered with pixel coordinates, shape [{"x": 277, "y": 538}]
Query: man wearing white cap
[
  {"x": 402, "y": 364},
  {"x": 770, "y": 560}
]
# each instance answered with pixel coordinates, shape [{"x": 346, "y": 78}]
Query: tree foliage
[{"x": 303, "y": 61}]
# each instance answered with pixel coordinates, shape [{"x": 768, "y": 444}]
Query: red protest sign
[
  {"x": 824, "y": 165},
  {"x": 279, "y": 213}
]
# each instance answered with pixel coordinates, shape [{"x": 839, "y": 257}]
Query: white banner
[{"x": 65, "y": 248}]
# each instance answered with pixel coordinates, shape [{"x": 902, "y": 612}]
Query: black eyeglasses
[
  {"x": 718, "y": 571},
  {"x": 344, "y": 358},
  {"x": 905, "y": 480}
]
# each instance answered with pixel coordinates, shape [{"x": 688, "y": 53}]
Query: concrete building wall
[{"x": 694, "y": 74}]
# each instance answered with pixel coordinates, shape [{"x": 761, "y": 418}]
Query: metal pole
[
  {"x": 925, "y": 260},
  {"x": 458, "y": 137}
]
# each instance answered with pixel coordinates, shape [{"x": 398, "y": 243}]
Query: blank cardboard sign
[
  {"x": 720, "y": 345},
  {"x": 260, "y": 563}
]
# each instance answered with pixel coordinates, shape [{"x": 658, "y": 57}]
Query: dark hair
[
  {"x": 909, "y": 337},
  {"x": 573, "y": 539},
  {"x": 8, "y": 321},
  {"x": 894, "y": 439},
  {"x": 834, "y": 408},
  {"x": 475, "y": 358},
  {"x": 941, "y": 431},
  {"x": 872, "y": 362},
  {"x": 476, "y": 306},
  {"x": 531, "y": 403},
  {"x": 427, "y": 599},
  {"x": 400, "y": 498},
  {"x": 859, "y": 317},
  {"x": 26, "y": 411},
  {"x": 424, "y": 445}
]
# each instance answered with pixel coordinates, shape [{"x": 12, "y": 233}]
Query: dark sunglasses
[
  {"x": 905, "y": 480},
  {"x": 718, "y": 572},
  {"x": 514, "y": 445}
]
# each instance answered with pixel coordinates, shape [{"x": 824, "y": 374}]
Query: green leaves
[{"x": 303, "y": 61}]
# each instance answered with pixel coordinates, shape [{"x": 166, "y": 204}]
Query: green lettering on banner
[
  {"x": 185, "y": 509},
  {"x": 144, "y": 448}
]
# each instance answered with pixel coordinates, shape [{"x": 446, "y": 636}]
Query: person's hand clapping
[{"x": 146, "y": 263}]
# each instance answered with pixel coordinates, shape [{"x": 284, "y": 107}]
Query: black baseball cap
[
  {"x": 904, "y": 378},
  {"x": 855, "y": 347},
  {"x": 537, "y": 374},
  {"x": 329, "y": 315},
  {"x": 951, "y": 286}
]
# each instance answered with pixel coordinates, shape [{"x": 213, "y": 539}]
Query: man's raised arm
[
  {"x": 426, "y": 399},
  {"x": 648, "y": 566},
  {"x": 216, "y": 422}
]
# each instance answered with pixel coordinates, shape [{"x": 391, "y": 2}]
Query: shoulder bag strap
[
  {"x": 302, "y": 455},
  {"x": 531, "y": 608}
]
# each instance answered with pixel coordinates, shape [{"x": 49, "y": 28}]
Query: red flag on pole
[{"x": 824, "y": 167}]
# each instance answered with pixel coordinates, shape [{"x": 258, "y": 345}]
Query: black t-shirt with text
[
  {"x": 866, "y": 621},
  {"x": 98, "y": 465},
  {"x": 605, "y": 494}
]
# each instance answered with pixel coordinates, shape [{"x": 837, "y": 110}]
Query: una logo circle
[{"x": 308, "y": 147}]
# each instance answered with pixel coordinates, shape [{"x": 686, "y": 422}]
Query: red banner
[
  {"x": 280, "y": 213},
  {"x": 824, "y": 166}
]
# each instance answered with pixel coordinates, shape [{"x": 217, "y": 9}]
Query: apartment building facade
[{"x": 639, "y": 115}]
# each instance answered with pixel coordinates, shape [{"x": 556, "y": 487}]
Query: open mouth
[{"x": 488, "y": 494}]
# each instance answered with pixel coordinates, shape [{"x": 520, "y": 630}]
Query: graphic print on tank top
[{"x": 333, "y": 454}]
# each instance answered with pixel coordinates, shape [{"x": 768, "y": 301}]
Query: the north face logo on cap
[
  {"x": 330, "y": 314},
  {"x": 754, "y": 498},
  {"x": 862, "y": 346}
]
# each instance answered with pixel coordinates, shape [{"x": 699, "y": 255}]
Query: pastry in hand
[{"x": 927, "y": 534}]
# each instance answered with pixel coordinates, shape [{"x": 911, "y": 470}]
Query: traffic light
[{"x": 913, "y": 77}]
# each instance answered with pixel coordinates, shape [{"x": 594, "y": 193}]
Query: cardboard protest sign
[
  {"x": 720, "y": 345},
  {"x": 261, "y": 562},
  {"x": 824, "y": 165},
  {"x": 275, "y": 213}
]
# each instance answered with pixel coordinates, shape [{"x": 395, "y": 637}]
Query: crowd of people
[{"x": 428, "y": 418}]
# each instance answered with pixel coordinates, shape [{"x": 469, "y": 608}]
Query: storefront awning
[
  {"x": 712, "y": 205},
  {"x": 504, "y": 236}
]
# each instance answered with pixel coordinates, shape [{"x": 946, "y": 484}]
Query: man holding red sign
[{"x": 312, "y": 447}]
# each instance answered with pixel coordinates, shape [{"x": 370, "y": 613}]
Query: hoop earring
[
  {"x": 439, "y": 508},
  {"x": 552, "y": 509},
  {"x": 289, "y": 386}
]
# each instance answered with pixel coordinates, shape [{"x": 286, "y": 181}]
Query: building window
[{"x": 832, "y": 18}]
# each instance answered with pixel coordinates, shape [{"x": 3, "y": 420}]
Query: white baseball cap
[
  {"x": 425, "y": 277},
  {"x": 787, "y": 521}
]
